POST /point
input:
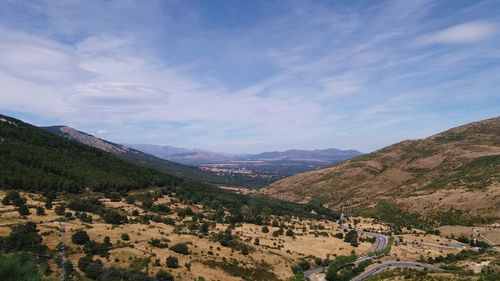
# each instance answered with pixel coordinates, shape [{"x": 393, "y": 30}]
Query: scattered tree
[
  {"x": 80, "y": 237},
  {"x": 172, "y": 262}
]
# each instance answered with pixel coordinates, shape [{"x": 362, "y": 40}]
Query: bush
[
  {"x": 304, "y": 265},
  {"x": 14, "y": 268},
  {"x": 157, "y": 243},
  {"x": 172, "y": 262},
  {"x": 60, "y": 210},
  {"x": 205, "y": 226},
  {"x": 256, "y": 241},
  {"x": 181, "y": 248},
  {"x": 80, "y": 237},
  {"x": 289, "y": 232},
  {"x": 161, "y": 208},
  {"x": 352, "y": 237},
  {"x": 24, "y": 237},
  {"x": 89, "y": 204},
  {"x": 84, "y": 217},
  {"x": 92, "y": 248},
  {"x": 244, "y": 250},
  {"x": 13, "y": 197},
  {"x": 113, "y": 217},
  {"x": 164, "y": 276},
  {"x": 265, "y": 229},
  {"x": 23, "y": 210},
  {"x": 125, "y": 237},
  {"x": 40, "y": 211}
]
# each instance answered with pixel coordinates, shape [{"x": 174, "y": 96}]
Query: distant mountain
[
  {"x": 198, "y": 157},
  {"x": 34, "y": 159},
  {"x": 189, "y": 173},
  {"x": 320, "y": 155},
  {"x": 192, "y": 157},
  {"x": 162, "y": 151},
  {"x": 458, "y": 169},
  {"x": 266, "y": 166}
]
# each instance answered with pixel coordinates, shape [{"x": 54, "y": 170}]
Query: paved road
[
  {"x": 382, "y": 266},
  {"x": 380, "y": 243},
  {"x": 308, "y": 273},
  {"x": 381, "y": 240}
]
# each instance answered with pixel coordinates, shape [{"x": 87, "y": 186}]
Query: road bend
[
  {"x": 381, "y": 242},
  {"x": 376, "y": 269}
]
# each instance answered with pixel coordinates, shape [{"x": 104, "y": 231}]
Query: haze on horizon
[{"x": 251, "y": 76}]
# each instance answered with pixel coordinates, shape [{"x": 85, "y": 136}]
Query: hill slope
[
  {"x": 127, "y": 153},
  {"x": 33, "y": 159},
  {"x": 136, "y": 156},
  {"x": 459, "y": 168}
]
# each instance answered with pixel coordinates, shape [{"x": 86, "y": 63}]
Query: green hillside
[{"x": 33, "y": 159}]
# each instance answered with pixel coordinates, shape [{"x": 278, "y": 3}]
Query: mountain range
[
  {"x": 268, "y": 166},
  {"x": 205, "y": 166},
  {"x": 198, "y": 157},
  {"x": 192, "y": 157},
  {"x": 189, "y": 173},
  {"x": 458, "y": 169}
]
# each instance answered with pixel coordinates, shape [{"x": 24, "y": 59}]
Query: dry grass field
[{"x": 272, "y": 256}]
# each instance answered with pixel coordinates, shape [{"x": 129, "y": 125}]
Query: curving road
[
  {"x": 381, "y": 242},
  {"x": 374, "y": 270}
]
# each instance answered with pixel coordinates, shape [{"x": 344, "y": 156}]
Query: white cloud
[
  {"x": 468, "y": 32},
  {"x": 37, "y": 59},
  {"x": 302, "y": 76}
]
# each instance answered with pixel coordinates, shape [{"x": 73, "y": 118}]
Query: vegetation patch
[{"x": 248, "y": 274}]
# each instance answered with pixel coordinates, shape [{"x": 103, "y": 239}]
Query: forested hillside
[{"x": 33, "y": 159}]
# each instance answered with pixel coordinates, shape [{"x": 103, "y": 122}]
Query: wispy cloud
[
  {"x": 262, "y": 77},
  {"x": 468, "y": 32}
]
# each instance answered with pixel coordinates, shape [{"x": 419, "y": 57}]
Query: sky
[{"x": 250, "y": 76}]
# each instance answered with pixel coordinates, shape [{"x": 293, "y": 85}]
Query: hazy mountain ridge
[
  {"x": 458, "y": 168},
  {"x": 330, "y": 154},
  {"x": 152, "y": 161},
  {"x": 199, "y": 157},
  {"x": 268, "y": 166},
  {"x": 159, "y": 151},
  {"x": 192, "y": 157}
]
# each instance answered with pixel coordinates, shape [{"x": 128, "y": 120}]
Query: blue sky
[{"x": 251, "y": 76}]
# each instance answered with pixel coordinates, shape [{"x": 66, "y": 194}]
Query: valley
[
  {"x": 77, "y": 209},
  {"x": 253, "y": 171},
  {"x": 221, "y": 140},
  {"x": 265, "y": 168}
]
